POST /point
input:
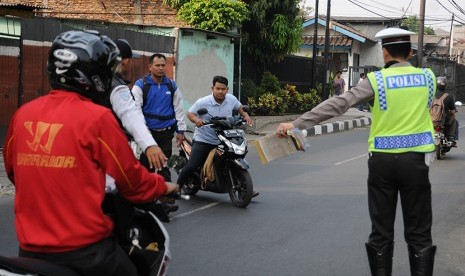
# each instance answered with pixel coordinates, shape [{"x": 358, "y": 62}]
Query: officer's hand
[
  {"x": 179, "y": 139},
  {"x": 283, "y": 128},
  {"x": 156, "y": 157},
  {"x": 172, "y": 188}
]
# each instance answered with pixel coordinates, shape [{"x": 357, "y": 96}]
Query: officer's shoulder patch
[{"x": 124, "y": 95}]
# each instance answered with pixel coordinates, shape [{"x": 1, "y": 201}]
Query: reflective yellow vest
[{"x": 400, "y": 111}]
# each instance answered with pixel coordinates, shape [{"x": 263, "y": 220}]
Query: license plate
[{"x": 234, "y": 133}]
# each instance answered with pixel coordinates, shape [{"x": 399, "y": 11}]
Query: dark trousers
[
  {"x": 164, "y": 140},
  {"x": 450, "y": 126},
  {"x": 407, "y": 175},
  {"x": 199, "y": 154},
  {"x": 102, "y": 258}
]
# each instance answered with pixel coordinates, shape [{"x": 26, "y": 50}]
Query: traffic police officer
[
  {"x": 130, "y": 116},
  {"x": 400, "y": 150},
  {"x": 121, "y": 101}
]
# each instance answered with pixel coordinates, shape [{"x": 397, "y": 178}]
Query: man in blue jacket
[{"x": 161, "y": 103}]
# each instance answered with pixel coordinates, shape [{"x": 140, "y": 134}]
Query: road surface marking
[
  {"x": 196, "y": 210},
  {"x": 348, "y": 160}
]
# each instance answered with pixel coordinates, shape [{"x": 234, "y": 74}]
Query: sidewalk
[{"x": 264, "y": 125}]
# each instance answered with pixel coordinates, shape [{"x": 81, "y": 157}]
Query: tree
[
  {"x": 306, "y": 12},
  {"x": 213, "y": 15},
  {"x": 412, "y": 23},
  {"x": 273, "y": 30}
]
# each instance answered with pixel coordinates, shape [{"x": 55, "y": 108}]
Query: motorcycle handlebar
[{"x": 215, "y": 120}]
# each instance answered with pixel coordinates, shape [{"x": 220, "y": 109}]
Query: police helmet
[
  {"x": 83, "y": 62},
  {"x": 441, "y": 83}
]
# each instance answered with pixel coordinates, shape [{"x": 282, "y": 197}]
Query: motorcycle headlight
[
  {"x": 240, "y": 149},
  {"x": 226, "y": 141}
]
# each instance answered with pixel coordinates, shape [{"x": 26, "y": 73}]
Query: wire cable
[
  {"x": 407, "y": 8},
  {"x": 368, "y": 9}
]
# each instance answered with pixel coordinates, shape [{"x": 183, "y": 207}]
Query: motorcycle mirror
[
  {"x": 202, "y": 111},
  {"x": 458, "y": 103},
  {"x": 246, "y": 108}
]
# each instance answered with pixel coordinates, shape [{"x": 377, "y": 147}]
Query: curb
[{"x": 338, "y": 126}]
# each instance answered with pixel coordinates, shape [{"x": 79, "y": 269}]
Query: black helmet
[
  {"x": 83, "y": 62},
  {"x": 441, "y": 83}
]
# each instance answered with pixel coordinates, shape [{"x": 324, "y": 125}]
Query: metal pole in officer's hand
[{"x": 421, "y": 32}]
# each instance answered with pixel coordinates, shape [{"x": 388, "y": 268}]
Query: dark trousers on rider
[
  {"x": 391, "y": 175},
  {"x": 450, "y": 127},
  {"x": 198, "y": 156},
  {"x": 105, "y": 257},
  {"x": 164, "y": 139}
]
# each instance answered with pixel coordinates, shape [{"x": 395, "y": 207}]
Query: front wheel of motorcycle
[
  {"x": 241, "y": 188},
  {"x": 438, "y": 152}
]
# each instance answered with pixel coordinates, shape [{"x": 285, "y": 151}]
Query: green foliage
[
  {"x": 330, "y": 84},
  {"x": 412, "y": 22},
  {"x": 273, "y": 30},
  {"x": 213, "y": 15},
  {"x": 291, "y": 97},
  {"x": 267, "y": 104},
  {"x": 287, "y": 100},
  {"x": 310, "y": 100},
  {"x": 175, "y": 3},
  {"x": 270, "y": 83},
  {"x": 250, "y": 89}
]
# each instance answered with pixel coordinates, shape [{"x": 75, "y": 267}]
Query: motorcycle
[
  {"x": 229, "y": 167},
  {"x": 139, "y": 232},
  {"x": 442, "y": 143}
]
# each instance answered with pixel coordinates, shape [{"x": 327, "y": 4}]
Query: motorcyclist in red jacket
[{"x": 57, "y": 151}]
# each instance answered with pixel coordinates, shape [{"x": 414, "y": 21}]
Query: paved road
[{"x": 311, "y": 217}]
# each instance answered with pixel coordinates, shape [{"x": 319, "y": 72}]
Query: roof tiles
[{"x": 148, "y": 13}]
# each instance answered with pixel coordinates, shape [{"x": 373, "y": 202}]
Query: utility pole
[
  {"x": 326, "y": 82},
  {"x": 451, "y": 37},
  {"x": 421, "y": 33},
  {"x": 315, "y": 41}
]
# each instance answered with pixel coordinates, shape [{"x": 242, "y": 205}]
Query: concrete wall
[
  {"x": 370, "y": 54},
  {"x": 200, "y": 57}
]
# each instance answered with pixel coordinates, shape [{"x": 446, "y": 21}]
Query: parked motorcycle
[
  {"x": 229, "y": 167},
  {"x": 139, "y": 232}
]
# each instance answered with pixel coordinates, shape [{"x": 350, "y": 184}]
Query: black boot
[
  {"x": 421, "y": 262},
  {"x": 380, "y": 260}
]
